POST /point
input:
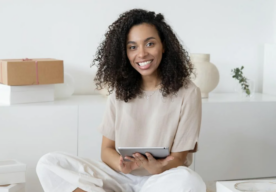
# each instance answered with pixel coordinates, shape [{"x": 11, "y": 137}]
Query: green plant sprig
[{"x": 238, "y": 74}]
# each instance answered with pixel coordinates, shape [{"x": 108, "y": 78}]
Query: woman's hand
[
  {"x": 152, "y": 165},
  {"x": 128, "y": 166}
]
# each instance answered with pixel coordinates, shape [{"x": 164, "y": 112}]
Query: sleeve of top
[
  {"x": 107, "y": 127},
  {"x": 188, "y": 130}
]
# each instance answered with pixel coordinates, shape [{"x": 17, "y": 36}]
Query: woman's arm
[{"x": 109, "y": 154}]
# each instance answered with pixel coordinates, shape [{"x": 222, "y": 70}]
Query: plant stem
[{"x": 238, "y": 74}]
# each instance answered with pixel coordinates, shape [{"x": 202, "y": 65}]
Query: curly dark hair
[{"x": 115, "y": 70}]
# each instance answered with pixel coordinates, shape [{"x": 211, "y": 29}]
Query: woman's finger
[
  {"x": 136, "y": 158},
  {"x": 150, "y": 158},
  {"x": 167, "y": 159},
  {"x": 138, "y": 163},
  {"x": 141, "y": 158},
  {"x": 130, "y": 158}
]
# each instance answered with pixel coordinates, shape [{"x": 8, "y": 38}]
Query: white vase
[{"x": 207, "y": 74}]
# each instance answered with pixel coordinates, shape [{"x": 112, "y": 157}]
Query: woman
[{"x": 153, "y": 103}]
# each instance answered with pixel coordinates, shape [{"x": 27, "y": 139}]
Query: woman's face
[{"x": 144, "y": 49}]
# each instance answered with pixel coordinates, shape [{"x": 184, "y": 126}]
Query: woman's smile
[{"x": 144, "y": 65}]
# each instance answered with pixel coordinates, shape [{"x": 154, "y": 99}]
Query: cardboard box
[
  {"x": 31, "y": 71},
  {"x": 26, "y": 94},
  {"x": 18, "y": 187},
  {"x": 12, "y": 171}
]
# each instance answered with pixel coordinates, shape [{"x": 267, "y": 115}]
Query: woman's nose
[{"x": 142, "y": 52}]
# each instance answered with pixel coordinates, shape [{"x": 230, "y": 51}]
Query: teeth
[{"x": 144, "y": 63}]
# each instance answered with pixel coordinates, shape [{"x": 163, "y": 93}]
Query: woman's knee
[
  {"x": 189, "y": 177},
  {"x": 46, "y": 159},
  {"x": 181, "y": 178}
]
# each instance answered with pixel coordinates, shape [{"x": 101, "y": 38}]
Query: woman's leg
[
  {"x": 180, "y": 179},
  {"x": 63, "y": 172}
]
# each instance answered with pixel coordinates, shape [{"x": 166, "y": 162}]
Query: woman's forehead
[{"x": 139, "y": 33}]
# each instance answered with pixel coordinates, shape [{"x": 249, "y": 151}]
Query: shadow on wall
[{"x": 84, "y": 78}]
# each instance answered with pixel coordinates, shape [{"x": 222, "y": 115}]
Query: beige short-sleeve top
[{"x": 156, "y": 121}]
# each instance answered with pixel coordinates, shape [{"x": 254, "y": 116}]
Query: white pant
[{"x": 63, "y": 172}]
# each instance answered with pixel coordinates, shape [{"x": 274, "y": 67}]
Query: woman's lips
[{"x": 145, "y": 66}]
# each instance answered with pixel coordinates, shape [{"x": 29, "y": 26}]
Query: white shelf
[
  {"x": 74, "y": 100},
  {"x": 234, "y": 97},
  {"x": 92, "y": 99}
]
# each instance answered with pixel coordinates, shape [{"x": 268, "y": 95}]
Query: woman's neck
[{"x": 150, "y": 83}]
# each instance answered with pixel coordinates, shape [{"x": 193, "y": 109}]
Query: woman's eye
[
  {"x": 150, "y": 44},
  {"x": 132, "y": 47}
]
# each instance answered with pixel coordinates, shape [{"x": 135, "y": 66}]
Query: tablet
[{"x": 156, "y": 152}]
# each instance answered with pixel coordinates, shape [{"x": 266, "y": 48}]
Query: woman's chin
[{"x": 147, "y": 73}]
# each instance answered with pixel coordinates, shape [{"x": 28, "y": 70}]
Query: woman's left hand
[{"x": 152, "y": 165}]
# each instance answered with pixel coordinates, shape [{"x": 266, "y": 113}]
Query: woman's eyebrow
[{"x": 129, "y": 42}]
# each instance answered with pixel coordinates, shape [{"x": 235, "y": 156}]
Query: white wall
[
  {"x": 274, "y": 32},
  {"x": 232, "y": 31}
]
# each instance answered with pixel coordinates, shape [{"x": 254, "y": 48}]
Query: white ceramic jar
[{"x": 207, "y": 74}]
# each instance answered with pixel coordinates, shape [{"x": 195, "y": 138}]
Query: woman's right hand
[{"x": 127, "y": 166}]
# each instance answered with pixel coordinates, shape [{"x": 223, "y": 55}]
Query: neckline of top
[{"x": 149, "y": 91}]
